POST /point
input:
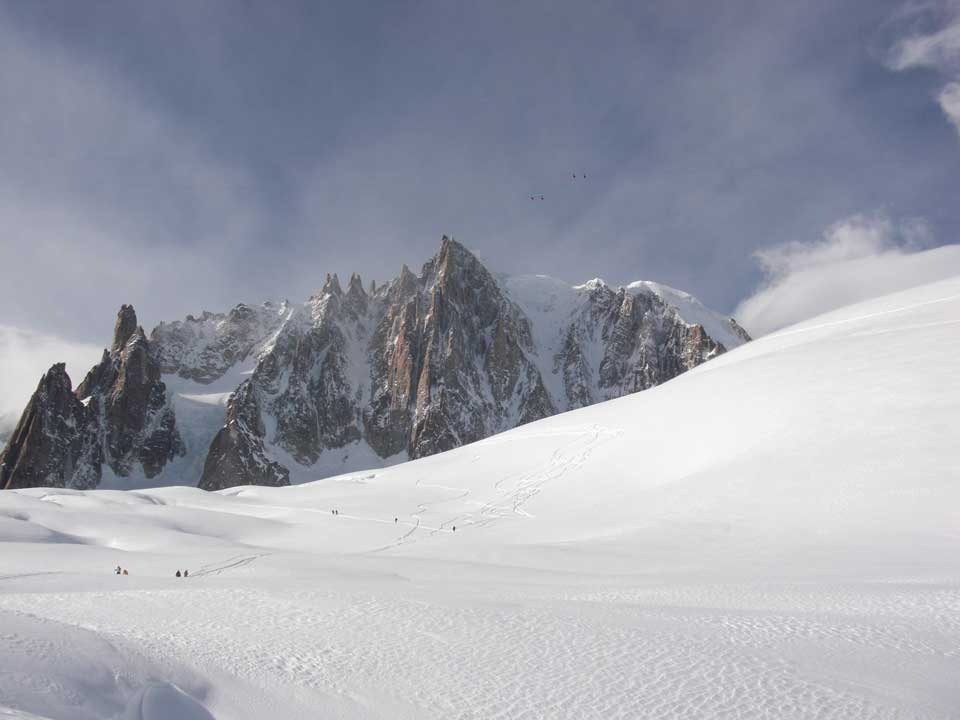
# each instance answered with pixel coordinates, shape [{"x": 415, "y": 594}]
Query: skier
[
  {"x": 125, "y": 572},
  {"x": 395, "y": 520},
  {"x": 454, "y": 528},
  {"x": 178, "y": 573},
  {"x": 118, "y": 570},
  {"x": 186, "y": 573}
]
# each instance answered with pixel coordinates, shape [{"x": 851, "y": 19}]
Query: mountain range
[{"x": 355, "y": 377}]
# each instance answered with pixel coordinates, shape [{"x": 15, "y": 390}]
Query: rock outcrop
[
  {"x": 118, "y": 417},
  {"x": 430, "y": 362},
  {"x": 46, "y": 444},
  {"x": 356, "y": 376}
]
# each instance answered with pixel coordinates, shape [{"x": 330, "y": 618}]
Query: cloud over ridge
[{"x": 856, "y": 259}]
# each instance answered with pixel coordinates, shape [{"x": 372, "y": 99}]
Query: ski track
[{"x": 233, "y": 563}]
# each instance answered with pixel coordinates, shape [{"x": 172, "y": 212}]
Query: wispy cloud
[
  {"x": 949, "y": 99},
  {"x": 104, "y": 196},
  {"x": 856, "y": 259},
  {"x": 937, "y": 48},
  {"x": 25, "y": 356}
]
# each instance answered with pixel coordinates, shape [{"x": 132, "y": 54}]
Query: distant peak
[
  {"x": 55, "y": 379},
  {"x": 449, "y": 246},
  {"x": 332, "y": 285},
  {"x": 406, "y": 275},
  {"x": 452, "y": 254},
  {"x": 405, "y": 284},
  {"x": 124, "y": 328},
  {"x": 355, "y": 286},
  {"x": 594, "y": 284}
]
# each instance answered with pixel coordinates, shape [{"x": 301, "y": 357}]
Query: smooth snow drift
[{"x": 775, "y": 534}]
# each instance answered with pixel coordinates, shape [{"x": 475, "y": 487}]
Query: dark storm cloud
[{"x": 190, "y": 155}]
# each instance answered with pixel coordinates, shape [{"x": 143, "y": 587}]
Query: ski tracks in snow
[{"x": 233, "y": 563}]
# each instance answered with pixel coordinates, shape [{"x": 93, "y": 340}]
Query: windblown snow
[{"x": 775, "y": 534}]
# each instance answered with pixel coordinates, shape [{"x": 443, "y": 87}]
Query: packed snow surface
[{"x": 775, "y": 534}]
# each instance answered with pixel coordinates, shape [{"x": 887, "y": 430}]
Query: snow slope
[{"x": 771, "y": 535}]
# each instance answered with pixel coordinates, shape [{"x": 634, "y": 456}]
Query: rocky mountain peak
[
  {"x": 452, "y": 258},
  {"x": 405, "y": 285},
  {"x": 356, "y": 297},
  {"x": 332, "y": 286},
  {"x": 422, "y": 364},
  {"x": 125, "y": 327},
  {"x": 355, "y": 286},
  {"x": 119, "y": 416},
  {"x": 47, "y": 442}
]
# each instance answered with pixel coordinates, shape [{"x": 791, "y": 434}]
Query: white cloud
[
  {"x": 949, "y": 99},
  {"x": 25, "y": 356},
  {"x": 857, "y": 258},
  {"x": 939, "y": 50}
]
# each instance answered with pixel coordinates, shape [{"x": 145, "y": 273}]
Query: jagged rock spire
[
  {"x": 332, "y": 285},
  {"x": 355, "y": 286},
  {"x": 430, "y": 362},
  {"x": 46, "y": 444},
  {"x": 405, "y": 284},
  {"x": 124, "y": 328}
]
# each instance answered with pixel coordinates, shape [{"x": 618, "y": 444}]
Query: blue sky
[{"x": 189, "y": 155}]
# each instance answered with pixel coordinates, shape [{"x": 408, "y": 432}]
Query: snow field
[{"x": 771, "y": 535}]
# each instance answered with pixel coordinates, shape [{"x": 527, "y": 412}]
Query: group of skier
[{"x": 123, "y": 571}]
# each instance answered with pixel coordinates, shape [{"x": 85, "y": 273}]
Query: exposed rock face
[
  {"x": 45, "y": 446},
  {"x": 237, "y": 450},
  {"x": 118, "y": 416},
  {"x": 450, "y": 360},
  {"x": 640, "y": 342},
  {"x": 203, "y": 349},
  {"x": 421, "y": 364},
  {"x": 429, "y": 362}
]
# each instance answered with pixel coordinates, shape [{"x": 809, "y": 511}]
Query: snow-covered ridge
[
  {"x": 584, "y": 317},
  {"x": 552, "y": 302},
  {"x": 721, "y": 328}
]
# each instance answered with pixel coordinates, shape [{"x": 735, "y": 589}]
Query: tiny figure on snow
[
  {"x": 186, "y": 573},
  {"x": 454, "y": 528},
  {"x": 125, "y": 572},
  {"x": 118, "y": 570},
  {"x": 395, "y": 520},
  {"x": 178, "y": 573}
]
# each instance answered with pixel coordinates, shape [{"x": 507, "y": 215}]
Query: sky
[{"x": 773, "y": 158}]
